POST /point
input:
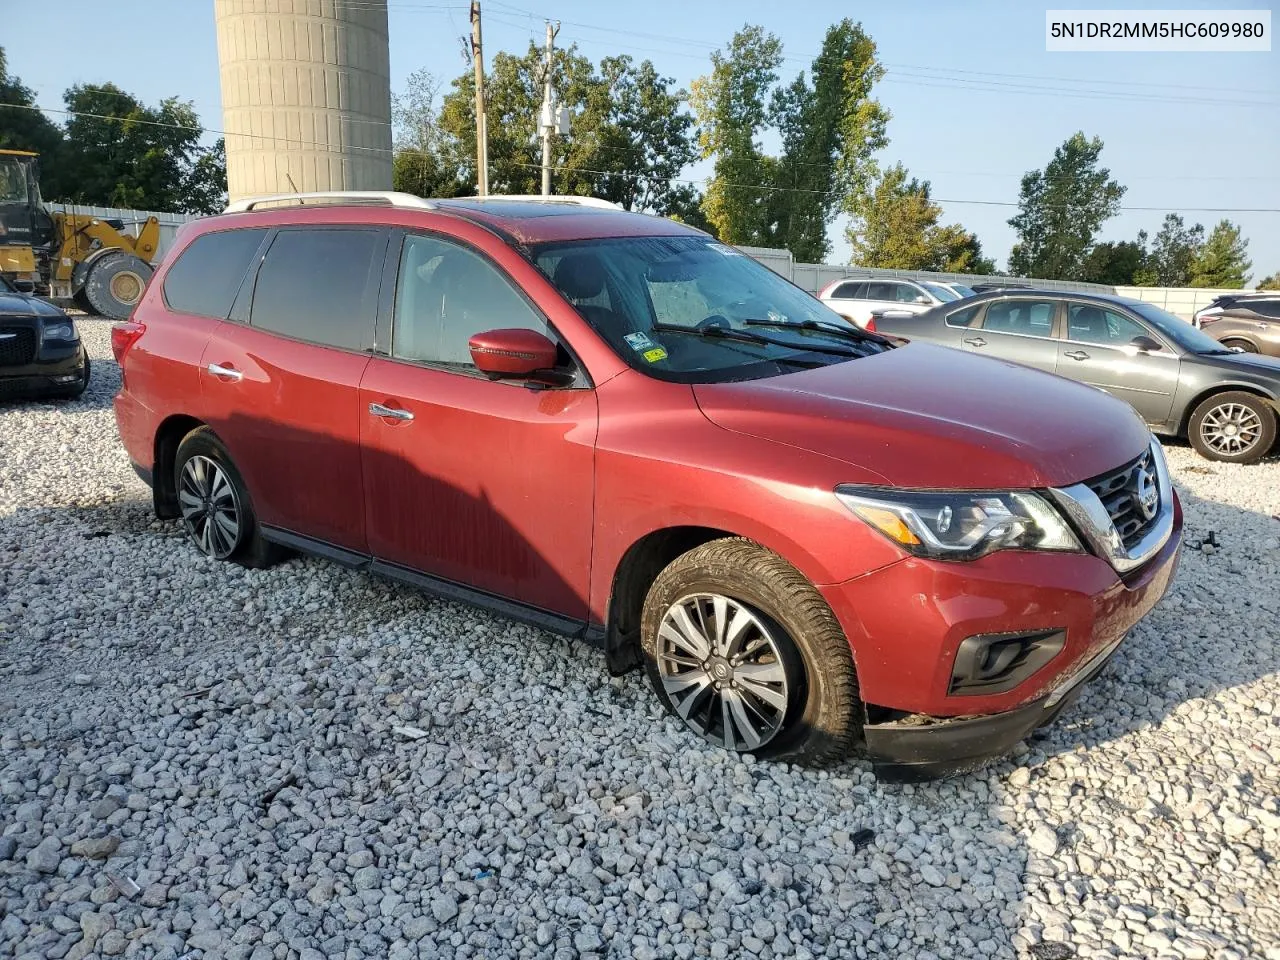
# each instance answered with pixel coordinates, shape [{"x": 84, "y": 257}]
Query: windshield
[
  {"x": 13, "y": 182},
  {"x": 1178, "y": 330},
  {"x": 939, "y": 291},
  {"x": 654, "y": 299}
]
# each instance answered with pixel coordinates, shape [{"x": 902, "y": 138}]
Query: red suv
[{"x": 613, "y": 427}]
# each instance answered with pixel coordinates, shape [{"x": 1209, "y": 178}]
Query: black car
[
  {"x": 1181, "y": 381},
  {"x": 40, "y": 350}
]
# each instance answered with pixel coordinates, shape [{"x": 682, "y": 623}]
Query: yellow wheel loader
[{"x": 69, "y": 256}]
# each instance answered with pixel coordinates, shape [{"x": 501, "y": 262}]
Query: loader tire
[{"x": 115, "y": 284}]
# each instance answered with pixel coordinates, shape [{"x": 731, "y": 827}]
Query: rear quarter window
[
  {"x": 963, "y": 318},
  {"x": 207, "y": 275}
]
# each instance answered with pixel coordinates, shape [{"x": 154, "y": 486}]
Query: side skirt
[{"x": 449, "y": 590}]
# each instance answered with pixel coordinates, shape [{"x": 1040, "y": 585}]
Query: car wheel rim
[
  {"x": 1231, "y": 429},
  {"x": 722, "y": 669},
  {"x": 210, "y": 507}
]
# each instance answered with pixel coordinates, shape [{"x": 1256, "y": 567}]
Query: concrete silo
[{"x": 306, "y": 95}]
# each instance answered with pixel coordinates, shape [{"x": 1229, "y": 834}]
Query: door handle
[
  {"x": 395, "y": 413},
  {"x": 228, "y": 373},
  {"x": 1077, "y": 355},
  {"x": 976, "y": 342}
]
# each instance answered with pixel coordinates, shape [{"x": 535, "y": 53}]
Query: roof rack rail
[
  {"x": 555, "y": 198},
  {"x": 338, "y": 197}
]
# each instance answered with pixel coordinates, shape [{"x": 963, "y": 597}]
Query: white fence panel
[{"x": 1181, "y": 301}]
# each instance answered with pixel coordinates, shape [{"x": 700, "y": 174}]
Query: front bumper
[
  {"x": 921, "y": 748},
  {"x": 54, "y": 370},
  {"x": 906, "y": 622}
]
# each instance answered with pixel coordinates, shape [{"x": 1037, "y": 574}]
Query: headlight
[
  {"x": 60, "y": 330},
  {"x": 961, "y": 526}
]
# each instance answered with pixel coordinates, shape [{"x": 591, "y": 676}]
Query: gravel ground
[{"x": 202, "y": 761}]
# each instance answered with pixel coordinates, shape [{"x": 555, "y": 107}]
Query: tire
[
  {"x": 1244, "y": 345},
  {"x": 200, "y": 497},
  {"x": 115, "y": 283},
  {"x": 77, "y": 390},
  {"x": 805, "y": 668},
  {"x": 1210, "y": 429}
]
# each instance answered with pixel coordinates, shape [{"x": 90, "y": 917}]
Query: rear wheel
[
  {"x": 1233, "y": 427},
  {"x": 1244, "y": 345},
  {"x": 115, "y": 283},
  {"x": 214, "y": 503},
  {"x": 744, "y": 651}
]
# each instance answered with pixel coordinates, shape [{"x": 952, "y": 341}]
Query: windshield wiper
[
  {"x": 854, "y": 334},
  {"x": 747, "y": 336}
]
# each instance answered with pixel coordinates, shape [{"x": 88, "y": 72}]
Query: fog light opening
[{"x": 998, "y": 662}]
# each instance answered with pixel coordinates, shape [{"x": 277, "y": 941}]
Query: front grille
[
  {"x": 17, "y": 346},
  {"x": 1121, "y": 492}
]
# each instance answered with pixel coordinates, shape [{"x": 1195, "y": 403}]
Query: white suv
[{"x": 857, "y": 299}]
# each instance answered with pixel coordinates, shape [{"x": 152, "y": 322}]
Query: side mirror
[
  {"x": 923, "y": 299},
  {"x": 512, "y": 353},
  {"x": 24, "y": 286},
  {"x": 1145, "y": 344}
]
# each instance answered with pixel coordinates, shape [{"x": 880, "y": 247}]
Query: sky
[{"x": 976, "y": 101}]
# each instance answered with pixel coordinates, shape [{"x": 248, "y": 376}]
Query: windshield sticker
[
  {"x": 721, "y": 249},
  {"x": 656, "y": 354},
  {"x": 639, "y": 342}
]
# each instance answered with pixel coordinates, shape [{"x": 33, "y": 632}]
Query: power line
[{"x": 765, "y": 188}]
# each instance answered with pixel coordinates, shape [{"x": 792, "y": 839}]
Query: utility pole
[
  {"x": 482, "y": 129},
  {"x": 548, "y": 124}
]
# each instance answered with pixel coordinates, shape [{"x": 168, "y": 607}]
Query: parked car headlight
[
  {"x": 60, "y": 330},
  {"x": 961, "y": 526}
]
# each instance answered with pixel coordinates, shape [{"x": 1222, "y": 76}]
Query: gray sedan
[{"x": 1181, "y": 381}]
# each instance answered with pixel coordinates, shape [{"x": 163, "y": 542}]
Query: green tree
[
  {"x": 204, "y": 188},
  {"x": 628, "y": 142},
  {"x": 895, "y": 226},
  {"x": 642, "y": 138},
  {"x": 513, "y": 103},
  {"x": 730, "y": 106},
  {"x": 1173, "y": 252},
  {"x": 1060, "y": 211},
  {"x": 1270, "y": 283},
  {"x": 830, "y": 126},
  {"x": 121, "y": 153},
  {"x": 425, "y": 160},
  {"x": 1116, "y": 264},
  {"x": 1223, "y": 260}
]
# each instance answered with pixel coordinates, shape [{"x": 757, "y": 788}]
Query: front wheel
[
  {"x": 1233, "y": 427},
  {"x": 745, "y": 652}
]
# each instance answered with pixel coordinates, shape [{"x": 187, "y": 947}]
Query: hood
[
  {"x": 927, "y": 416},
  {"x": 1251, "y": 365},
  {"x": 21, "y": 305}
]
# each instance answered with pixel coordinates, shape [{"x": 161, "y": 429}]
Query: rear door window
[
  {"x": 1030, "y": 318},
  {"x": 321, "y": 285},
  {"x": 1267, "y": 308},
  {"x": 1087, "y": 323},
  {"x": 206, "y": 277},
  {"x": 882, "y": 290}
]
